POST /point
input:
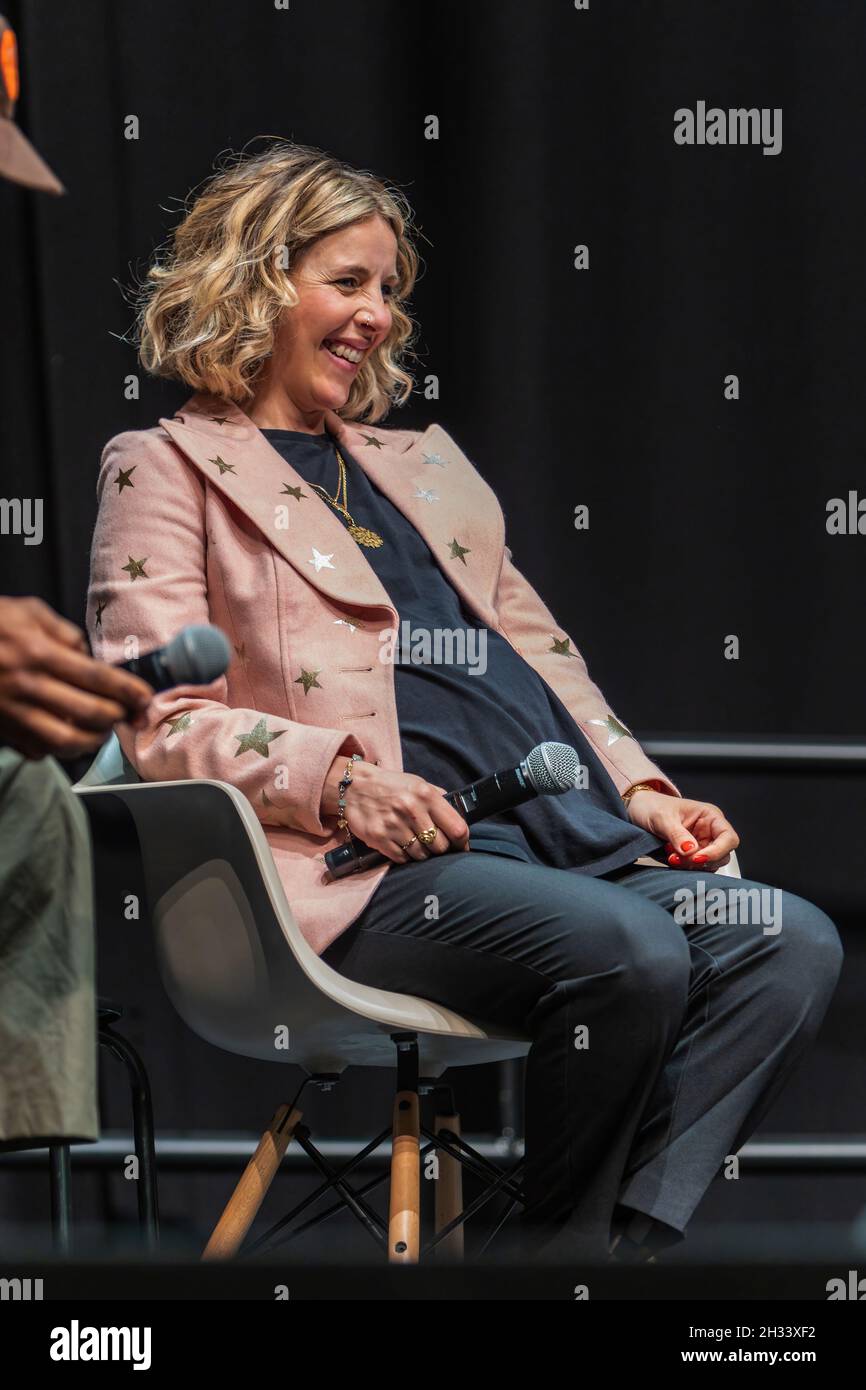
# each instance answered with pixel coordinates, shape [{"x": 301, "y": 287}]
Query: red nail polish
[
  {"x": 673, "y": 859},
  {"x": 699, "y": 859},
  {"x": 687, "y": 845}
]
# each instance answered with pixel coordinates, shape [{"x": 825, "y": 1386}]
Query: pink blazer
[{"x": 201, "y": 520}]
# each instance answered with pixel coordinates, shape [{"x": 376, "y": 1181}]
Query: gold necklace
[{"x": 362, "y": 534}]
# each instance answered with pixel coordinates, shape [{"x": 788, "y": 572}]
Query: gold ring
[{"x": 426, "y": 837}]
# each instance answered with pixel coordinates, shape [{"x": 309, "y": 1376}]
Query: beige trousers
[{"x": 47, "y": 990}]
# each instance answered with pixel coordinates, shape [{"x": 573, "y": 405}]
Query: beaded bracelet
[{"x": 345, "y": 781}]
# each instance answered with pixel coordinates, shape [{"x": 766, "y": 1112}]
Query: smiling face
[{"x": 344, "y": 282}]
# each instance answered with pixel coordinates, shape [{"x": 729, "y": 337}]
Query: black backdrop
[{"x": 602, "y": 386}]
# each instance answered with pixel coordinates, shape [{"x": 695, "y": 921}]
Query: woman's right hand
[{"x": 385, "y": 809}]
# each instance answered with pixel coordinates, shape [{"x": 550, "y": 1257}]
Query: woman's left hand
[{"x": 697, "y": 832}]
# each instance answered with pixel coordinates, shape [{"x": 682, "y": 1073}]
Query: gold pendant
[{"x": 364, "y": 536}]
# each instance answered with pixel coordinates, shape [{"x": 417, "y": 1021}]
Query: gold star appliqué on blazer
[
  {"x": 179, "y": 725},
  {"x": 136, "y": 569},
  {"x": 257, "y": 740},
  {"x": 308, "y": 680},
  {"x": 615, "y": 730},
  {"x": 561, "y": 646}
]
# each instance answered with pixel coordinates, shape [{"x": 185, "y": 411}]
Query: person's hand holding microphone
[
  {"x": 390, "y": 811},
  {"x": 55, "y": 698}
]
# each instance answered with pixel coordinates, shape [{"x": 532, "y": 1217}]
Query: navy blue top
[{"x": 459, "y": 721}]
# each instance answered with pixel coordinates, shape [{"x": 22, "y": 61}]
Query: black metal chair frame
[{"x": 60, "y": 1162}]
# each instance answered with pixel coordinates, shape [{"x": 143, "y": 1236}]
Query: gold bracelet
[{"x": 638, "y": 787}]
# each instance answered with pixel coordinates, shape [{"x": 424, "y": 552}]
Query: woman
[{"x": 266, "y": 507}]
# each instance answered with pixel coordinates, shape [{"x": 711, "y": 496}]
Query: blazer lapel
[{"x": 443, "y": 498}]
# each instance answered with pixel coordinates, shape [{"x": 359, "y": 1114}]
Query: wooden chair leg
[
  {"x": 449, "y": 1194},
  {"x": 243, "y": 1205},
  {"x": 404, "y": 1222}
]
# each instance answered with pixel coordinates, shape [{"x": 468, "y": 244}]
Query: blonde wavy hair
[{"x": 207, "y": 311}]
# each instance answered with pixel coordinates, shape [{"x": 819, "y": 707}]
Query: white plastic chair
[
  {"x": 239, "y": 972},
  {"x": 241, "y": 975}
]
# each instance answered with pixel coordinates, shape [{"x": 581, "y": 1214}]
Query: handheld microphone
[
  {"x": 549, "y": 769},
  {"x": 196, "y": 656}
]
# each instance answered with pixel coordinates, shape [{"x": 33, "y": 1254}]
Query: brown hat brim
[{"x": 20, "y": 162}]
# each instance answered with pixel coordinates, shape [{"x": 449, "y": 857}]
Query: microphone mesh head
[
  {"x": 197, "y": 655},
  {"x": 552, "y": 767}
]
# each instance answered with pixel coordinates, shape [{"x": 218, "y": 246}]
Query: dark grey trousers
[{"x": 658, "y": 1043}]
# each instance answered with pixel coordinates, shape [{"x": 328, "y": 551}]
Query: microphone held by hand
[
  {"x": 196, "y": 656},
  {"x": 548, "y": 770}
]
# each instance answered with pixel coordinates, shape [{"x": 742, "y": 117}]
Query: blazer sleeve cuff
[{"x": 631, "y": 765}]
